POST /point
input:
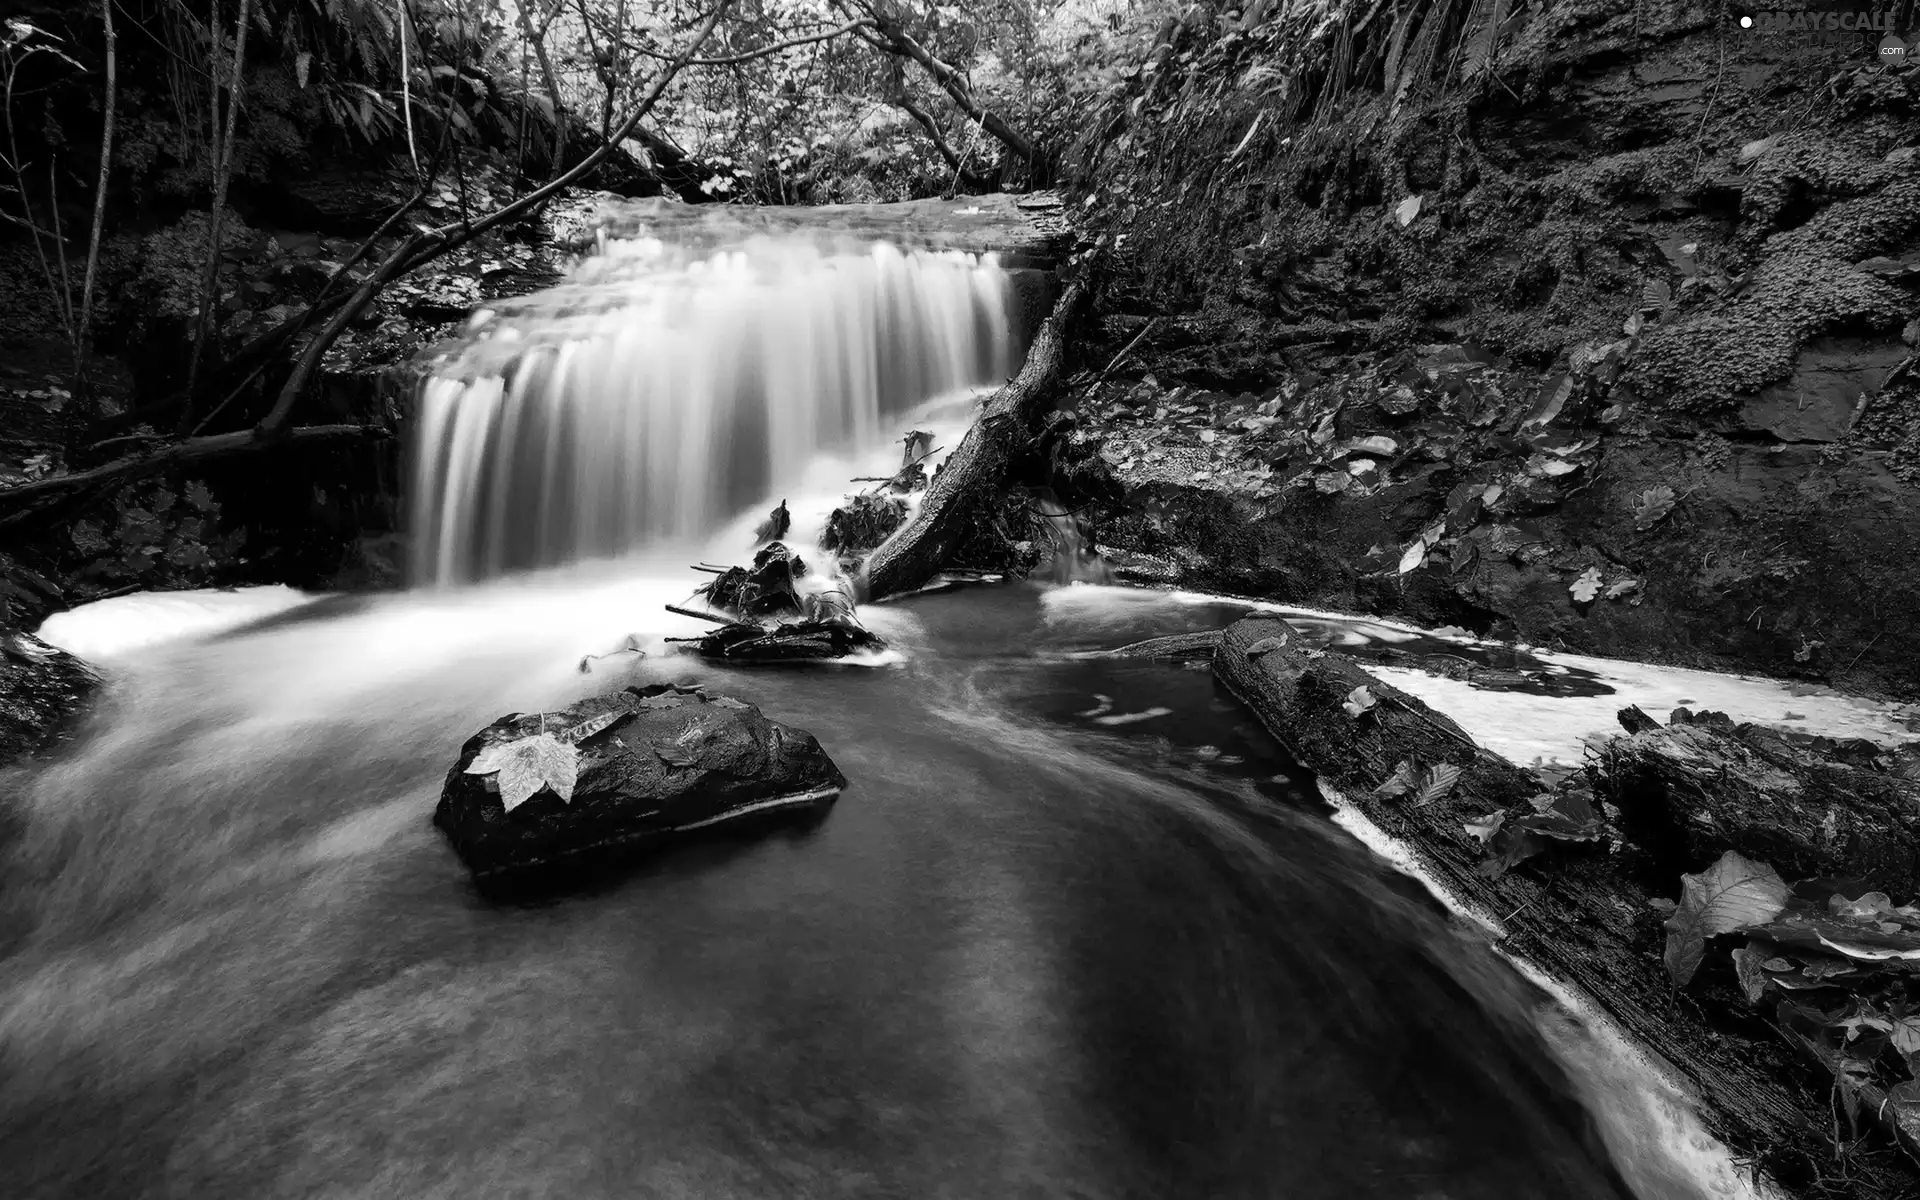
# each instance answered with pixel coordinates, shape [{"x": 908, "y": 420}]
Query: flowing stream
[{"x": 1076, "y": 929}]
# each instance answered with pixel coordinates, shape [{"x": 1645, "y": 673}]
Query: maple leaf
[{"x": 528, "y": 765}]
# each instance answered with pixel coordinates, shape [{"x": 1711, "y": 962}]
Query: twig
[
  {"x": 1865, "y": 648},
  {"x": 1124, "y": 351},
  {"x": 716, "y": 618},
  {"x": 764, "y": 51},
  {"x": 1700, "y": 147},
  {"x": 401, "y": 26}
]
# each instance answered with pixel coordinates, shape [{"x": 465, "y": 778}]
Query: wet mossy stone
[
  {"x": 42, "y": 690},
  {"x": 654, "y": 764}
]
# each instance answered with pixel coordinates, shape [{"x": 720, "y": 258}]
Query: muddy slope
[{"x": 1603, "y": 336}]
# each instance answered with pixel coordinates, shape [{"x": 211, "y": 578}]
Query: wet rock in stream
[
  {"x": 581, "y": 791},
  {"x": 41, "y": 690}
]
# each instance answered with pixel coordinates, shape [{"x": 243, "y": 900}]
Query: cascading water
[{"x": 660, "y": 389}]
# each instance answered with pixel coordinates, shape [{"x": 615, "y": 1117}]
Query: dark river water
[{"x": 1029, "y": 953}]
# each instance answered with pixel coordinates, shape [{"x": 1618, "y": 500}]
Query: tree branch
[
  {"x": 553, "y": 87},
  {"x": 767, "y": 51},
  {"x": 972, "y": 178},
  {"x": 84, "y": 340},
  {"x": 894, "y": 39},
  {"x": 427, "y": 245},
  {"x": 18, "y": 502}
]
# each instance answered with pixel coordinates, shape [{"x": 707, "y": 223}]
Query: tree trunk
[
  {"x": 925, "y": 119},
  {"x": 1582, "y": 918},
  {"x": 83, "y": 342},
  {"x": 221, "y": 146},
  {"x": 1694, "y": 791},
  {"x": 895, "y": 40},
  {"x": 920, "y": 548}
]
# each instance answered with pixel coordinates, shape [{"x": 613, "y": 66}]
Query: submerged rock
[{"x": 611, "y": 775}]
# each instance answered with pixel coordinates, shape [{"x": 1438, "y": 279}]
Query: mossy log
[
  {"x": 920, "y": 548},
  {"x": 1578, "y": 914}
]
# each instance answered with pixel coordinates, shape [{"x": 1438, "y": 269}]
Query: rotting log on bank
[{"x": 1584, "y": 919}]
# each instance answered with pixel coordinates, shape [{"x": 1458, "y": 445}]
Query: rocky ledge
[{"x": 1452, "y": 486}]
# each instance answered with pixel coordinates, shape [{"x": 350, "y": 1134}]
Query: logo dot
[{"x": 1746, "y": 22}]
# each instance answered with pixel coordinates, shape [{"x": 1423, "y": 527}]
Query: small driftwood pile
[
  {"x": 870, "y": 517},
  {"x": 764, "y": 616}
]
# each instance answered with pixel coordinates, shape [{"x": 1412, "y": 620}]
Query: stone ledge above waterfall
[{"x": 1026, "y": 231}]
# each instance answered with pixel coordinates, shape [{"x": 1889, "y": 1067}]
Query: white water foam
[
  {"x": 1529, "y": 728},
  {"x": 111, "y": 630},
  {"x": 1648, "y": 1118}
]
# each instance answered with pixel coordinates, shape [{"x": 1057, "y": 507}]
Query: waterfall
[{"x": 659, "y": 389}]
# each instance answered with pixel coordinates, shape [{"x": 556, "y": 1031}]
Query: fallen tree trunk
[
  {"x": 1583, "y": 918},
  {"x": 1696, "y": 791},
  {"x": 920, "y": 548}
]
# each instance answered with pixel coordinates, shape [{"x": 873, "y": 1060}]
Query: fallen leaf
[
  {"x": 1746, "y": 966},
  {"x": 1437, "y": 782},
  {"x": 1870, "y": 953},
  {"x": 528, "y": 765},
  {"x": 1566, "y": 815},
  {"x": 1650, "y": 506},
  {"x": 592, "y": 725},
  {"x": 1265, "y": 646},
  {"x": 1905, "y": 1035},
  {"x": 1414, "y": 556},
  {"x": 1482, "y": 829},
  {"x": 1586, "y": 587},
  {"x": 1734, "y": 893},
  {"x": 1359, "y": 702},
  {"x": 1400, "y": 782},
  {"x": 1755, "y": 149},
  {"x": 1406, "y": 211}
]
